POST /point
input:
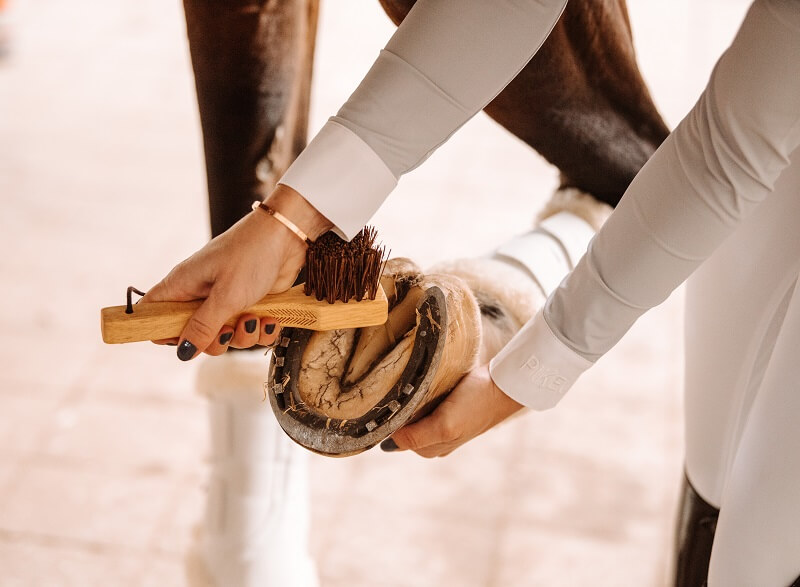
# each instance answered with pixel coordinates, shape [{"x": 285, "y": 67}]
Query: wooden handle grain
[{"x": 160, "y": 320}]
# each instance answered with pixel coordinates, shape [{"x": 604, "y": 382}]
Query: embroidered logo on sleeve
[{"x": 544, "y": 378}]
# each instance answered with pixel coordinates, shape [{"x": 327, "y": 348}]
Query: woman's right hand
[{"x": 256, "y": 256}]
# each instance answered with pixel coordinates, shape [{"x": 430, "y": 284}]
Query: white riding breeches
[{"x": 743, "y": 392}]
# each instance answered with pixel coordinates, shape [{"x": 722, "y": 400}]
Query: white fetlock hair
[
  {"x": 580, "y": 203},
  {"x": 506, "y": 294}
]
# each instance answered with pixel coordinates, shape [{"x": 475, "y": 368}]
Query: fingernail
[
  {"x": 389, "y": 445},
  {"x": 186, "y": 350},
  {"x": 225, "y": 338},
  {"x": 269, "y": 328},
  {"x": 250, "y": 326}
]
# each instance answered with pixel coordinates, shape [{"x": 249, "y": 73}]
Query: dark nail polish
[
  {"x": 389, "y": 445},
  {"x": 269, "y": 328},
  {"x": 186, "y": 350},
  {"x": 250, "y": 326},
  {"x": 225, "y": 338}
]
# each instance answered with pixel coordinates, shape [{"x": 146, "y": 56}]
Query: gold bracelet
[{"x": 283, "y": 220}]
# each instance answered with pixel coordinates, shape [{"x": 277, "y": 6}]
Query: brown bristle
[{"x": 341, "y": 270}]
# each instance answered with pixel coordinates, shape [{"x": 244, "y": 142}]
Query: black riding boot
[{"x": 697, "y": 522}]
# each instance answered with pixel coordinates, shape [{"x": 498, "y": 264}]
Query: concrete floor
[{"x": 101, "y": 448}]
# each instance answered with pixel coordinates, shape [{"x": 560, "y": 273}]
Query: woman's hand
[
  {"x": 475, "y": 405},
  {"x": 256, "y": 256}
]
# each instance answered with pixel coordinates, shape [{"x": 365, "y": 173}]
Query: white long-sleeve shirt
[{"x": 448, "y": 59}]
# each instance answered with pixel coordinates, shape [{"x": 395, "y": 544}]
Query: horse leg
[{"x": 252, "y": 63}]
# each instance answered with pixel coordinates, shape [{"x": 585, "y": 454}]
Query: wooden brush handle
[{"x": 160, "y": 320}]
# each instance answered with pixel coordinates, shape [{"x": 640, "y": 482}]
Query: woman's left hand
[{"x": 475, "y": 405}]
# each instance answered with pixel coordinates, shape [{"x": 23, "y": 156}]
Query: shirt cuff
[
  {"x": 535, "y": 368},
  {"x": 342, "y": 177}
]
